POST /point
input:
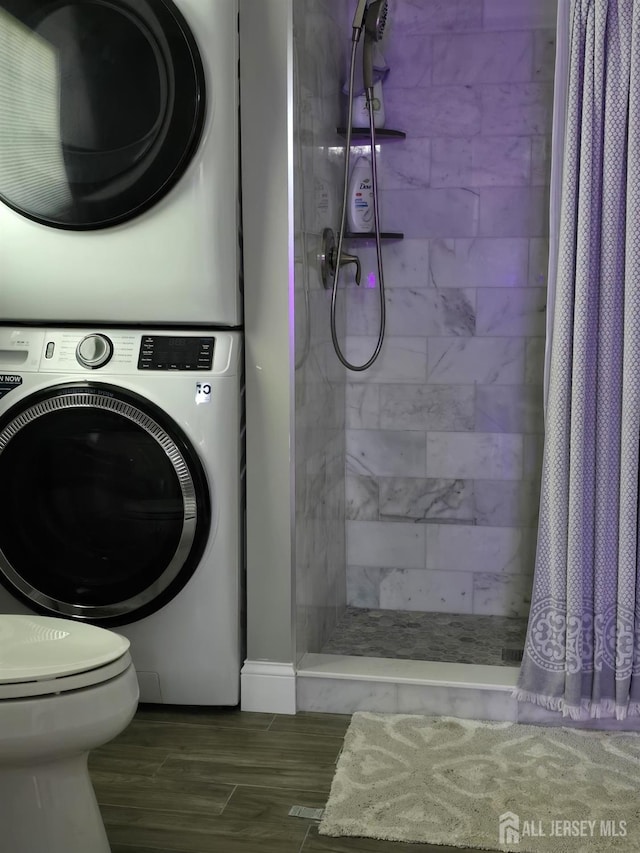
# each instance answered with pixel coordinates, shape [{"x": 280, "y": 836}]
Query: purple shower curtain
[{"x": 582, "y": 653}]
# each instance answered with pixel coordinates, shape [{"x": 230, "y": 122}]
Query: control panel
[
  {"x": 175, "y": 352},
  {"x": 113, "y": 351},
  {"x": 83, "y": 350}
]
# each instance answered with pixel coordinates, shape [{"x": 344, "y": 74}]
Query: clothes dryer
[
  {"x": 120, "y": 465},
  {"x": 119, "y": 162}
]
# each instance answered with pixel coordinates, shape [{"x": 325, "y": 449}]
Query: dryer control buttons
[
  {"x": 94, "y": 351},
  {"x": 175, "y": 352}
]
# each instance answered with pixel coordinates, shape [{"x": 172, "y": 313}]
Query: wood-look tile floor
[{"x": 191, "y": 780}]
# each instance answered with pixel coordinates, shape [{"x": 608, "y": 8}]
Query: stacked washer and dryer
[{"x": 120, "y": 330}]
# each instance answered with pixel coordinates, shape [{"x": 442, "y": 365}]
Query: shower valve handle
[
  {"x": 347, "y": 259},
  {"x": 329, "y": 262}
]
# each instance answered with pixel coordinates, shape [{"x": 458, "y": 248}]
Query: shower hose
[{"x": 374, "y": 175}]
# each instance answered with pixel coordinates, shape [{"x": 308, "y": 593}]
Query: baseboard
[{"x": 268, "y": 687}]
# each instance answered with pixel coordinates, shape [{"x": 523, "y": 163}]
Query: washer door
[
  {"x": 102, "y": 105},
  {"x": 108, "y": 508}
]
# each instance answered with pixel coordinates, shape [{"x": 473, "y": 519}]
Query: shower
[
  {"x": 371, "y": 18},
  {"x": 417, "y": 480}
]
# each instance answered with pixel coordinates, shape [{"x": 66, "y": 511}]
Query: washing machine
[
  {"x": 119, "y": 162},
  {"x": 121, "y": 476}
]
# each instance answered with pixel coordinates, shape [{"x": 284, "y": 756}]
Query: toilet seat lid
[{"x": 42, "y": 647}]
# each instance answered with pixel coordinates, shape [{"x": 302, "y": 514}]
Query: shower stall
[
  {"x": 443, "y": 435},
  {"x": 415, "y": 484}
]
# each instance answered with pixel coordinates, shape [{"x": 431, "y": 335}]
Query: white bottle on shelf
[
  {"x": 360, "y": 110},
  {"x": 360, "y": 206}
]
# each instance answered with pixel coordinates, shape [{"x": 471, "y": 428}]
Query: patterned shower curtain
[{"x": 582, "y": 653}]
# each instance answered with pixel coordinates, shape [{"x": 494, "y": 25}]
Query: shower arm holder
[{"x": 329, "y": 260}]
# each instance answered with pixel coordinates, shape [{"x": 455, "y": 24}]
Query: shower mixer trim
[{"x": 329, "y": 261}]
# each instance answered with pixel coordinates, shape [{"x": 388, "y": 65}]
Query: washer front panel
[{"x": 109, "y": 509}]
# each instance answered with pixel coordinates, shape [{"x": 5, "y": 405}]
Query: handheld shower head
[
  {"x": 376, "y": 19},
  {"x": 374, "y": 23},
  {"x": 372, "y": 15}
]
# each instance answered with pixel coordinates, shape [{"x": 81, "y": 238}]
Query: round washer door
[
  {"x": 102, "y": 104},
  {"x": 107, "y": 511}
]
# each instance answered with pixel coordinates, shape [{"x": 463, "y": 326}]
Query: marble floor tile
[{"x": 399, "y": 634}]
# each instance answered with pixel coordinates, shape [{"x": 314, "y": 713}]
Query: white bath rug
[{"x": 492, "y": 786}]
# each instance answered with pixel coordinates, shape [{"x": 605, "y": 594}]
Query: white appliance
[
  {"x": 119, "y": 162},
  {"x": 120, "y": 464}
]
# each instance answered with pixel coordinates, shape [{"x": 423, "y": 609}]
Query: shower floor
[{"x": 409, "y": 635}]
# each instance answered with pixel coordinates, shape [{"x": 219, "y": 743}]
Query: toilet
[{"x": 65, "y": 688}]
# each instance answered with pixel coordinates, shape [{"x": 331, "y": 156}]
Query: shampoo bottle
[{"x": 360, "y": 209}]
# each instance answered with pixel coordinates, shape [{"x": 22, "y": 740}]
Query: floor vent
[
  {"x": 306, "y": 812},
  {"x": 512, "y": 655}
]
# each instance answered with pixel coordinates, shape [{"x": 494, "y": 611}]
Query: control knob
[{"x": 94, "y": 351}]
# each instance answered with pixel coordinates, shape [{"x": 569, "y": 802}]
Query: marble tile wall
[
  {"x": 319, "y": 383},
  {"x": 444, "y": 433}
]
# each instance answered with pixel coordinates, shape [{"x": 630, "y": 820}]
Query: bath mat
[{"x": 486, "y": 785}]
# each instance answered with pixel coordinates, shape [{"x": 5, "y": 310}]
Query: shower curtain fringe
[{"x": 587, "y": 710}]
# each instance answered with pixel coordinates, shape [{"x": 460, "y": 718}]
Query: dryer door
[
  {"x": 102, "y": 106},
  {"x": 109, "y": 508}
]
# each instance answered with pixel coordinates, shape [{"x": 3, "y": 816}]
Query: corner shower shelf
[
  {"x": 381, "y": 133},
  {"x": 384, "y": 235}
]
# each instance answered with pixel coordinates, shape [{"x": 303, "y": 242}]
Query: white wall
[{"x": 266, "y": 156}]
